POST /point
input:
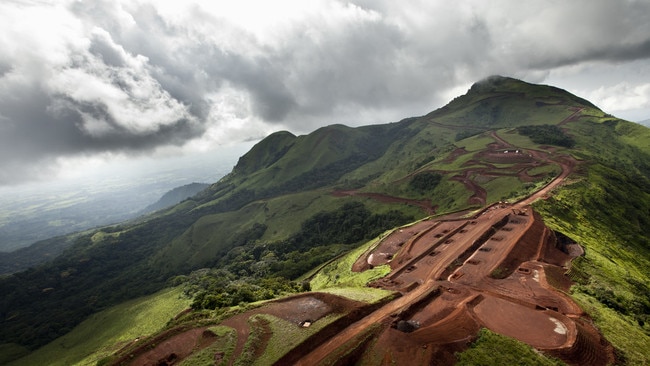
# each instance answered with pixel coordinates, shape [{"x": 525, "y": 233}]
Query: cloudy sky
[{"x": 103, "y": 80}]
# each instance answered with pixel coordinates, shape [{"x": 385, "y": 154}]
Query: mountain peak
[
  {"x": 494, "y": 82},
  {"x": 265, "y": 152},
  {"x": 500, "y": 91}
]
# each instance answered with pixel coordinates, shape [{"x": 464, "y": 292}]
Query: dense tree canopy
[{"x": 547, "y": 134}]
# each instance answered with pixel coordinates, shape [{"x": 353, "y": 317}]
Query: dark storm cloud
[
  {"x": 625, "y": 52},
  {"x": 260, "y": 76},
  {"x": 32, "y": 135},
  {"x": 102, "y": 76}
]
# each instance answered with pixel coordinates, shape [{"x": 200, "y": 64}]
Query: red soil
[
  {"x": 460, "y": 151},
  {"x": 541, "y": 329},
  {"x": 479, "y": 195},
  {"x": 297, "y": 309},
  {"x": 447, "y": 312},
  {"x": 388, "y": 246},
  {"x": 172, "y": 349},
  {"x": 173, "y": 346},
  {"x": 573, "y": 116}
]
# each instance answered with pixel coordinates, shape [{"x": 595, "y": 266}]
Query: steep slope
[
  {"x": 288, "y": 201},
  {"x": 267, "y": 152}
]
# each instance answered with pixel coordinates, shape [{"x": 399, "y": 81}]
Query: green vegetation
[
  {"x": 631, "y": 340},
  {"x": 600, "y": 142},
  {"x": 339, "y": 273},
  {"x": 499, "y": 102},
  {"x": 548, "y": 170},
  {"x": 512, "y": 136},
  {"x": 255, "y": 270},
  {"x": 177, "y": 195},
  {"x": 475, "y": 143},
  {"x": 426, "y": 181},
  {"x": 320, "y": 238},
  {"x": 46, "y": 302},
  {"x": 365, "y": 294},
  {"x": 494, "y": 349},
  {"x": 224, "y": 346},
  {"x": 504, "y": 188},
  {"x": 256, "y": 341},
  {"x": 345, "y": 355},
  {"x": 11, "y": 351},
  {"x": 605, "y": 209},
  {"x": 35, "y": 254},
  {"x": 103, "y": 333},
  {"x": 286, "y": 335},
  {"x": 96, "y": 274},
  {"x": 351, "y": 223},
  {"x": 218, "y": 288},
  {"x": 607, "y": 214},
  {"x": 547, "y": 134},
  {"x": 465, "y": 134}
]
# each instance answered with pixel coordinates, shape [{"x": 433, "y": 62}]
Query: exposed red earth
[
  {"x": 173, "y": 346},
  {"x": 456, "y": 276},
  {"x": 500, "y": 268},
  {"x": 573, "y": 116}
]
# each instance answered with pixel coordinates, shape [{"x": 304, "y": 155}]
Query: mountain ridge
[
  {"x": 254, "y": 209},
  {"x": 174, "y": 196}
]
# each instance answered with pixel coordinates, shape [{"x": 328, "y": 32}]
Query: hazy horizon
[{"x": 110, "y": 193}]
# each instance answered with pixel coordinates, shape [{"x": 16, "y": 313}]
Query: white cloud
[
  {"x": 622, "y": 96},
  {"x": 133, "y": 99},
  {"x": 101, "y": 76}
]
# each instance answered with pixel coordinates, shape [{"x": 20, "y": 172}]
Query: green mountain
[
  {"x": 295, "y": 204},
  {"x": 175, "y": 196}
]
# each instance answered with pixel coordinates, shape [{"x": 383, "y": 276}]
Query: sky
[{"x": 86, "y": 84}]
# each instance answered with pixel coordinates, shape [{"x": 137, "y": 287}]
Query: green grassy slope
[
  {"x": 607, "y": 213},
  {"x": 105, "y": 332},
  {"x": 510, "y": 352}
]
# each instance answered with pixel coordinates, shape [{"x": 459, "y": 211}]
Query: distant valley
[{"x": 42, "y": 210}]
